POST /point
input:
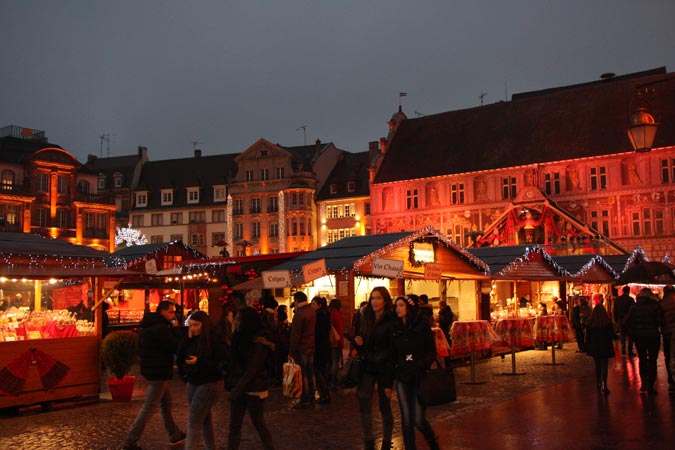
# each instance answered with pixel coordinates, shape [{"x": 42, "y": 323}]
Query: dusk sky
[{"x": 225, "y": 73}]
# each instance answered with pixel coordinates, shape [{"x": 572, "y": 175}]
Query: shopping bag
[
  {"x": 350, "y": 373},
  {"x": 437, "y": 387},
  {"x": 292, "y": 380}
]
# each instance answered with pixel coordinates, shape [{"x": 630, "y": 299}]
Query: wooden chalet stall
[
  {"x": 49, "y": 333},
  {"x": 420, "y": 262}
]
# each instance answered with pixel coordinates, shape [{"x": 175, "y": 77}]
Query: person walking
[
  {"x": 413, "y": 352},
  {"x": 374, "y": 345},
  {"x": 338, "y": 344},
  {"x": 622, "y": 305},
  {"x": 599, "y": 344},
  {"x": 643, "y": 321},
  {"x": 282, "y": 347},
  {"x": 668, "y": 308},
  {"x": 199, "y": 357},
  {"x": 322, "y": 351},
  {"x": 302, "y": 346},
  {"x": 249, "y": 379},
  {"x": 445, "y": 318},
  {"x": 157, "y": 344}
]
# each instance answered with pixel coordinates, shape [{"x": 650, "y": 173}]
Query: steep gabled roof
[
  {"x": 350, "y": 167},
  {"x": 550, "y": 125},
  {"x": 15, "y": 150},
  {"x": 109, "y": 166}
]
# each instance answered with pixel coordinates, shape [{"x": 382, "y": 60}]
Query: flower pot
[{"x": 121, "y": 389}]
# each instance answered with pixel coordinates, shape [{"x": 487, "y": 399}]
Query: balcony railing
[{"x": 106, "y": 198}]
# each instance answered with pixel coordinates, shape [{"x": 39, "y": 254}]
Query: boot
[
  {"x": 370, "y": 444},
  {"x": 433, "y": 444},
  {"x": 386, "y": 445}
]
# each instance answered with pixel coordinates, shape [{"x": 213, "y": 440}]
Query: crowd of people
[{"x": 391, "y": 339}]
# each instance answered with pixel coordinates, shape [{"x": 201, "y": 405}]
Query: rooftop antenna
[
  {"x": 104, "y": 138},
  {"x": 419, "y": 114},
  {"x": 482, "y": 96},
  {"x": 401, "y": 95},
  {"x": 195, "y": 144},
  {"x": 304, "y": 131}
]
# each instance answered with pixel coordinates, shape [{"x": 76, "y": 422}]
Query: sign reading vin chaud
[
  {"x": 314, "y": 270},
  {"x": 274, "y": 279},
  {"x": 388, "y": 268}
]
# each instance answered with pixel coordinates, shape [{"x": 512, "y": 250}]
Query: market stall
[{"x": 49, "y": 332}]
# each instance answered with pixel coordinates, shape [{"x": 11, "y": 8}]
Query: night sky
[{"x": 225, "y": 73}]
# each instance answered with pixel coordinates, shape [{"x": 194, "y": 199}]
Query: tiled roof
[
  {"x": 550, "y": 125},
  {"x": 109, "y": 166},
  {"x": 15, "y": 150},
  {"x": 304, "y": 155},
  {"x": 179, "y": 174},
  {"x": 350, "y": 167}
]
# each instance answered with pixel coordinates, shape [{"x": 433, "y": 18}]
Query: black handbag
[
  {"x": 350, "y": 374},
  {"x": 437, "y": 387}
]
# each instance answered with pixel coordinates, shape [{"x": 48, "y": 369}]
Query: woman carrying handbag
[{"x": 413, "y": 352}]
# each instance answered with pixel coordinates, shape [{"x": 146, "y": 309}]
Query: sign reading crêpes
[
  {"x": 274, "y": 279},
  {"x": 432, "y": 271},
  {"x": 314, "y": 270},
  {"x": 388, "y": 268}
]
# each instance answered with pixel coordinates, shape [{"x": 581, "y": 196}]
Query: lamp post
[{"x": 642, "y": 130}]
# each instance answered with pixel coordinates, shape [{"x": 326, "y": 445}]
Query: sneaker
[
  {"x": 178, "y": 439},
  {"x": 131, "y": 447}
]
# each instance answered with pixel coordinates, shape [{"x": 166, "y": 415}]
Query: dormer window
[
  {"x": 141, "y": 199},
  {"x": 118, "y": 178},
  {"x": 219, "y": 194},
  {"x": 101, "y": 182},
  {"x": 192, "y": 195},
  {"x": 167, "y": 197},
  {"x": 351, "y": 186},
  {"x": 263, "y": 152},
  {"x": 333, "y": 188}
]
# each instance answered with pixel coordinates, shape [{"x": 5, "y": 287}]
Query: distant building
[
  {"x": 45, "y": 190},
  {"x": 553, "y": 167}
]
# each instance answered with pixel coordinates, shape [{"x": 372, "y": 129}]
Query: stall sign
[
  {"x": 388, "y": 268},
  {"x": 423, "y": 252},
  {"x": 432, "y": 271},
  {"x": 314, "y": 270},
  {"x": 151, "y": 266},
  {"x": 274, "y": 279}
]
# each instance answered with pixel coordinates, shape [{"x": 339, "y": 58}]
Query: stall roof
[
  {"x": 520, "y": 262},
  {"x": 589, "y": 268},
  {"x": 33, "y": 244},
  {"x": 139, "y": 251},
  {"x": 214, "y": 263}
]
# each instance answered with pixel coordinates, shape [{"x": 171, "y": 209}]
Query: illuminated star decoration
[{"x": 129, "y": 237}]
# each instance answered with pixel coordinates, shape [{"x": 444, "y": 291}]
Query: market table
[
  {"x": 469, "y": 337},
  {"x": 516, "y": 333},
  {"x": 555, "y": 328}
]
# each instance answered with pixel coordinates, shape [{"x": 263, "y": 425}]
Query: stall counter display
[
  {"x": 124, "y": 316},
  {"x": 471, "y": 336},
  {"x": 18, "y": 325}
]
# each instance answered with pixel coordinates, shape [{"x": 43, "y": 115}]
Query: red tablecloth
[
  {"x": 442, "y": 346},
  {"x": 552, "y": 328},
  {"x": 51, "y": 330},
  {"x": 516, "y": 332},
  {"x": 472, "y": 335}
]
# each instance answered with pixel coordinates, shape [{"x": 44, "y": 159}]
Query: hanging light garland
[
  {"x": 129, "y": 236},
  {"x": 528, "y": 256},
  {"x": 597, "y": 259}
]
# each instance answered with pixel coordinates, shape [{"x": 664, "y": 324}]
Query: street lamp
[{"x": 642, "y": 130}]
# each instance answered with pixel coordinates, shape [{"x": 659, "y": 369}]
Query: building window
[
  {"x": 341, "y": 233},
  {"x": 238, "y": 207},
  {"x": 217, "y": 239},
  {"x": 333, "y": 188},
  {"x": 668, "y": 170},
  {"x": 280, "y": 173},
  {"x": 156, "y": 239},
  {"x": 552, "y": 183},
  {"x": 197, "y": 239},
  {"x": 351, "y": 186},
  {"x": 41, "y": 217},
  {"x": 264, "y": 174},
  {"x": 176, "y": 218},
  {"x": 141, "y": 199},
  {"x": 62, "y": 184},
  {"x": 176, "y": 237},
  {"x": 647, "y": 222},
  {"x": 294, "y": 224},
  {"x": 309, "y": 227},
  {"x": 302, "y": 228},
  {"x": 193, "y": 195},
  {"x": 255, "y": 205},
  {"x": 157, "y": 220},
  {"x": 62, "y": 218},
  {"x": 42, "y": 182},
  {"x": 219, "y": 194},
  {"x": 411, "y": 199},
  {"x": 366, "y": 209},
  {"x": 170, "y": 262},
  {"x": 457, "y": 193},
  {"x": 600, "y": 221},
  {"x": 83, "y": 186},
  {"x": 12, "y": 214},
  {"x": 294, "y": 198},
  {"x": 509, "y": 188},
  {"x": 274, "y": 229},
  {"x": 167, "y": 197},
  {"x": 101, "y": 182},
  {"x": 197, "y": 216},
  {"x": 7, "y": 181},
  {"x": 255, "y": 229},
  {"x": 248, "y": 175},
  {"x": 598, "y": 178},
  {"x": 137, "y": 220},
  {"x": 218, "y": 216},
  {"x": 272, "y": 204},
  {"x": 238, "y": 230},
  {"x": 118, "y": 182},
  {"x": 263, "y": 152}
]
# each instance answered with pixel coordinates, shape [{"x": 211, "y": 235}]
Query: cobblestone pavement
[{"x": 547, "y": 407}]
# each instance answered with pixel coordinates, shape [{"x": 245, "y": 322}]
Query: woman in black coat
[
  {"x": 599, "y": 343},
  {"x": 248, "y": 377},
  {"x": 413, "y": 352}
]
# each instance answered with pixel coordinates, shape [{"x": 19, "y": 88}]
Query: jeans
[
  {"x": 201, "y": 399},
  {"x": 413, "y": 415},
  {"x": 648, "y": 351},
  {"x": 157, "y": 397},
  {"x": 335, "y": 360},
  {"x": 306, "y": 362},
  {"x": 364, "y": 393},
  {"x": 255, "y": 408}
]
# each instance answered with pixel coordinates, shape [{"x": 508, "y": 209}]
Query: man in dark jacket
[
  {"x": 322, "y": 354},
  {"x": 644, "y": 321},
  {"x": 158, "y": 340},
  {"x": 622, "y": 305},
  {"x": 302, "y": 345}
]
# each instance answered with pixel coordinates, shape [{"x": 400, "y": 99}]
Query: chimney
[
  {"x": 198, "y": 153},
  {"x": 142, "y": 152},
  {"x": 91, "y": 158},
  {"x": 373, "y": 150},
  {"x": 317, "y": 146},
  {"x": 383, "y": 145}
]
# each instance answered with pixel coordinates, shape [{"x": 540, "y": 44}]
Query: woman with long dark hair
[
  {"x": 599, "y": 344},
  {"x": 249, "y": 378},
  {"x": 374, "y": 345},
  {"x": 413, "y": 352},
  {"x": 198, "y": 358}
]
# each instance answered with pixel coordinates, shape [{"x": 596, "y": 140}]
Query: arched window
[{"x": 7, "y": 180}]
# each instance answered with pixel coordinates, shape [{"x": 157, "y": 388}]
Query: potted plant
[{"x": 119, "y": 351}]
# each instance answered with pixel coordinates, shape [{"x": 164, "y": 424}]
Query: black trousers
[{"x": 255, "y": 408}]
